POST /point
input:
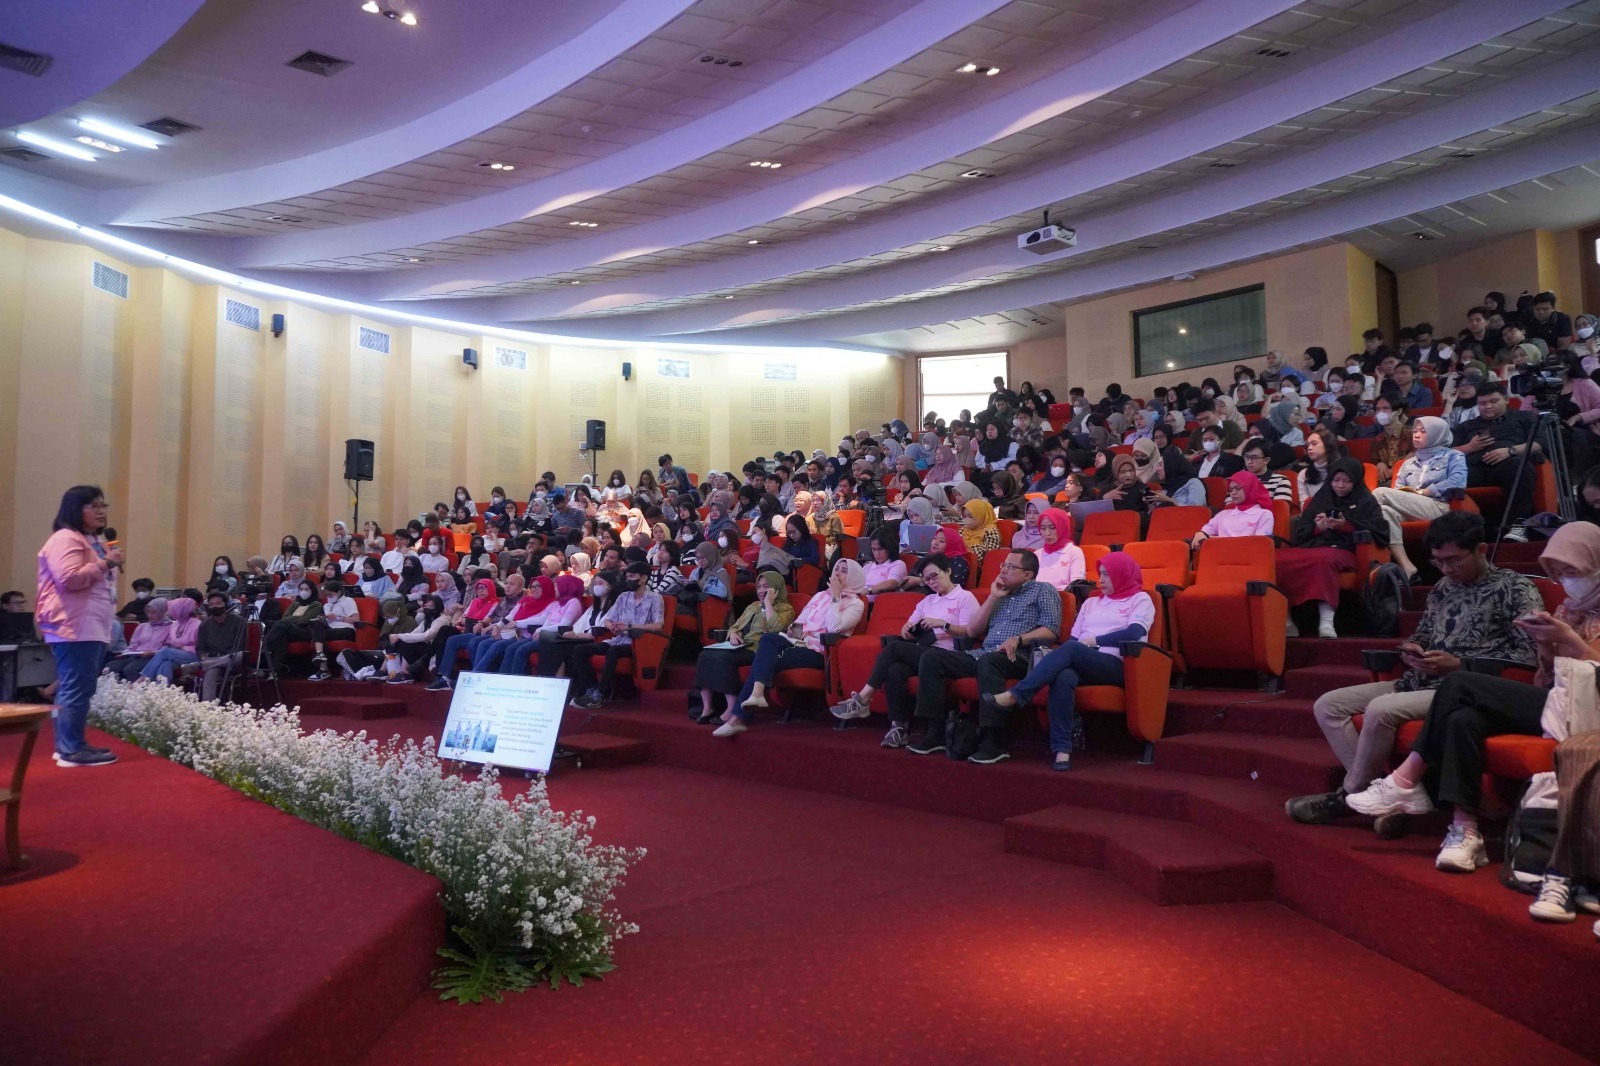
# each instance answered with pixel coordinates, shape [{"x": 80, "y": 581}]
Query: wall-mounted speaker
[
  {"x": 277, "y": 325},
  {"x": 359, "y": 457},
  {"x": 595, "y": 435},
  {"x": 627, "y": 371},
  {"x": 469, "y": 356}
]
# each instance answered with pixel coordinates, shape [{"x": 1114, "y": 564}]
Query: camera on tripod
[{"x": 1544, "y": 380}]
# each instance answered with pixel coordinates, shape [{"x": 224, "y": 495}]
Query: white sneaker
[
  {"x": 1555, "y": 902},
  {"x": 1325, "y": 631},
  {"x": 1383, "y": 796},
  {"x": 1463, "y": 850},
  {"x": 730, "y": 729},
  {"x": 755, "y": 701},
  {"x": 1292, "y": 629}
]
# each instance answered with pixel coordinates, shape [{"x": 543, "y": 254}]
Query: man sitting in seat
[
  {"x": 1471, "y": 612},
  {"x": 1020, "y": 610},
  {"x": 1493, "y": 444}
]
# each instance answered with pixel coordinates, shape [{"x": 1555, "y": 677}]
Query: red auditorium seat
[
  {"x": 1142, "y": 696},
  {"x": 1110, "y": 528},
  {"x": 649, "y": 649},
  {"x": 1232, "y": 617},
  {"x": 1177, "y": 523},
  {"x": 854, "y": 656}
]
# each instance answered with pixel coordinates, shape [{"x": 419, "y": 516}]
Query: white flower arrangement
[{"x": 525, "y": 886}]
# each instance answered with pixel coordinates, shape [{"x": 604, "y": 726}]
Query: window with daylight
[
  {"x": 1225, "y": 327},
  {"x": 951, "y": 383}
]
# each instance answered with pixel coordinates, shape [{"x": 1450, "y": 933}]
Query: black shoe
[
  {"x": 85, "y": 757},
  {"x": 1319, "y": 809},
  {"x": 991, "y": 749},
  {"x": 589, "y": 701},
  {"x": 931, "y": 741}
]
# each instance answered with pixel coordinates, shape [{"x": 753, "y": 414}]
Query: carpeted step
[
  {"x": 1346, "y": 651},
  {"x": 1294, "y": 764},
  {"x": 602, "y": 750},
  {"x": 677, "y": 676},
  {"x": 1227, "y": 711},
  {"x": 364, "y": 708},
  {"x": 1310, "y": 682},
  {"x": 1172, "y": 863}
]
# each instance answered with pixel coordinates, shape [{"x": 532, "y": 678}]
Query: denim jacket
[{"x": 1436, "y": 475}]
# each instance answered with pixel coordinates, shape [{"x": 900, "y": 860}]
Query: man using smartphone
[{"x": 1471, "y": 612}]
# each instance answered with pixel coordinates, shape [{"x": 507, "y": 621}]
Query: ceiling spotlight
[
  {"x": 977, "y": 174},
  {"x": 408, "y": 19},
  {"x": 50, "y": 144},
  {"x": 580, "y": 222},
  {"x": 967, "y": 68},
  {"x": 752, "y": 242},
  {"x": 371, "y": 7},
  {"x": 576, "y": 282},
  {"x": 138, "y": 138},
  {"x": 942, "y": 248},
  {"x": 992, "y": 71},
  {"x": 1182, "y": 331},
  {"x": 497, "y": 165},
  {"x": 104, "y": 146},
  {"x": 768, "y": 164},
  {"x": 283, "y": 218},
  {"x": 1172, "y": 366},
  {"x": 728, "y": 297}
]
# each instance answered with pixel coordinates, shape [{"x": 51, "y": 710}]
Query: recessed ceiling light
[
  {"x": 967, "y": 68},
  {"x": 575, "y": 282},
  {"x": 119, "y": 133},
  {"x": 580, "y": 222},
  {"x": 497, "y": 165},
  {"x": 992, "y": 71},
  {"x": 1172, "y": 366},
  {"x": 1182, "y": 331},
  {"x": 105, "y": 146},
  {"x": 412, "y": 259},
  {"x": 408, "y": 19},
  {"x": 721, "y": 60},
  {"x": 371, "y": 7},
  {"x": 752, "y": 242},
  {"x": 942, "y": 248},
  {"x": 767, "y": 163},
  {"x": 50, "y": 144},
  {"x": 283, "y": 218},
  {"x": 978, "y": 174}
]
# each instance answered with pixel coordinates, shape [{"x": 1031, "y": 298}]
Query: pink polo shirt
[{"x": 955, "y": 607}]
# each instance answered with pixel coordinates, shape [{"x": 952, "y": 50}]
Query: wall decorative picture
[{"x": 673, "y": 368}]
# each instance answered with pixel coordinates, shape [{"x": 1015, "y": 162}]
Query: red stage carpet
[{"x": 168, "y": 919}]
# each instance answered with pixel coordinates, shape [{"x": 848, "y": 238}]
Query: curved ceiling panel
[{"x": 91, "y": 45}]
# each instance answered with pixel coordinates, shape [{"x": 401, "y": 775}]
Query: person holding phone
[
  {"x": 1471, "y": 612},
  {"x": 717, "y": 670},
  {"x": 76, "y": 612},
  {"x": 1323, "y": 540}
]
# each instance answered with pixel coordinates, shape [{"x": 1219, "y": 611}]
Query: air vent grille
[
  {"x": 374, "y": 340},
  {"x": 318, "y": 63},
  {"x": 1222, "y": 164},
  {"x": 109, "y": 279},
  {"x": 170, "y": 127},
  {"x": 1275, "y": 53},
  {"x": 24, "y": 61},
  {"x": 23, "y": 155},
  {"x": 243, "y": 315}
]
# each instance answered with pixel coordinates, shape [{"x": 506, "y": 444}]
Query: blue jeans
[
  {"x": 487, "y": 656},
  {"x": 515, "y": 659},
  {"x": 78, "y": 672},
  {"x": 1064, "y": 669},
  {"x": 774, "y": 654},
  {"x": 447, "y": 658},
  {"x": 165, "y": 663}
]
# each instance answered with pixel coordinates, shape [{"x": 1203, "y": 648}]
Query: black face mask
[{"x": 216, "y": 612}]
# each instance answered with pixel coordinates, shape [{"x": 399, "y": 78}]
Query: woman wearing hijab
[
  {"x": 149, "y": 638},
  {"x": 946, "y": 467},
  {"x": 1446, "y": 763},
  {"x": 415, "y": 582},
  {"x": 1247, "y": 512},
  {"x": 339, "y": 543},
  {"x": 412, "y": 649},
  {"x": 1434, "y": 474},
  {"x": 517, "y": 627},
  {"x": 1168, "y": 481},
  {"x": 1005, "y": 496},
  {"x": 835, "y": 611},
  {"x": 1122, "y": 612},
  {"x": 296, "y": 625},
  {"x": 1061, "y": 562},
  {"x": 1324, "y": 542},
  {"x": 360, "y": 665},
  {"x": 374, "y": 582},
  {"x": 707, "y": 581},
  {"x": 979, "y": 531},
  {"x": 919, "y": 511},
  {"x": 555, "y": 617},
  {"x": 717, "y": 670},
  {"x": 995, "y": 449},
  {"x": 1284, "y": 417},
  {"x": 1143, "y": 422},
  {"x": 1027, "y": 535},
  {"x": 1228, "y": 413}
]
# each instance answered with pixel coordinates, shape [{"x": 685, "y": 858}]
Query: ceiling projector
[{"x": 1047, "y": 238}]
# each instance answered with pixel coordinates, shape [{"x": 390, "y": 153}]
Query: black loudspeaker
[
  {"x": 277, "y": 325},
  {"x": 358, "y": 459},
  {"x": 595, "y": 436},
  {"x": 627, "y": 371},
  {"x": 469, "y": 356}
]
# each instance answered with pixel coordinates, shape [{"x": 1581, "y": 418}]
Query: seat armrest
[
  {"x": 1260, "y": 588},
  {"x": 1146, "y": 684},
  {"x": 1487, "y": 664},
  {"x": 830, "y": 640},
  {"x": 1167, "y": 592},
  {"x": 1380, "y": 660},
  {"x": 718, "y": 636}
]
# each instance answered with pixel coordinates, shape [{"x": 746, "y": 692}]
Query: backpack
[
  {"x": 1383, "y": 598},
  {"x": 960, "y": 735},
  {"x": 1530, "y": 843}
]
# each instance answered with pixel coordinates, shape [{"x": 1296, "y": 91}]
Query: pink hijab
[{"x": 1126, "y": 578}]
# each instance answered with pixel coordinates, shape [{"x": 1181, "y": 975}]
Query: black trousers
[
  {"x": 581, "y": 668},
  {"x": 323, "y": 631},
  {"x": 897, "y": 664},
  {"x": 991, "y": 669},
  {"x": 1500, "y": 475},
  {"x": 1467, "y": 710},
  {"x": 718, "y": 668},
  {"x": 280, "y": 635}
]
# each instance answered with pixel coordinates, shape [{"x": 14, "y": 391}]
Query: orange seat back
[
  {"x": 852, "y": 522},
  {"x": 1177, "y": 523},
  {"x": 1235, "y": 560},
  {"x": 1280, "y": 519},
  {"x": 1092, "y": 554},
  {"x": 1161, "y": 562},
  {"x": 1110, "y": 527}
]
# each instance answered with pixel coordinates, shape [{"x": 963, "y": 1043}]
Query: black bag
[
  {"x": 960, "y": 735},
  {"x": 1383, "y": 599},
  {"x": 1530, "y": 841}
]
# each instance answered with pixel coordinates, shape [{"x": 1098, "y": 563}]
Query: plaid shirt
[{"x": 1033, "y": 605}]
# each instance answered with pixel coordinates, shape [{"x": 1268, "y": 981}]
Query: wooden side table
[{"x": 27, "y": 719}]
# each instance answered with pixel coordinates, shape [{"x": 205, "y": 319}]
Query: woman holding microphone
[{"x": 75, "y": 614}]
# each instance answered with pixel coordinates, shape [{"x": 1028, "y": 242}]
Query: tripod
[{"x": 1546, "y": 433}]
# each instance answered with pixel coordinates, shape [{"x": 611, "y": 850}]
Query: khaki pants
[
  {"x": 1365, "y": 753},
  {"x": 1398, "y": 506}
]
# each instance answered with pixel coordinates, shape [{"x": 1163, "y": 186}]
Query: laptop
[
  {"x": 17, "y": 628},
  {"x": 919, "y": 539},
  {"x": 1081, "y": 511}
]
